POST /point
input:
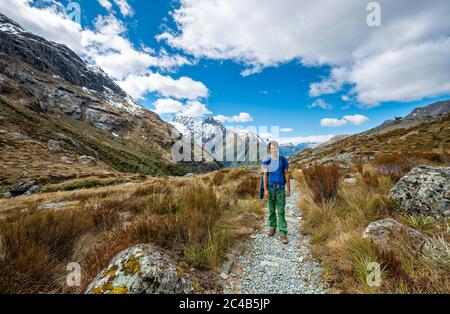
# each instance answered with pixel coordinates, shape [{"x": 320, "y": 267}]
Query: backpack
[{"x": 261, "y": 187}]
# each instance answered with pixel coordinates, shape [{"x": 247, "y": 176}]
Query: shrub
[
  {"x": 248, "y": 187},
  {"x": 323, "y": 181},
  {"x": 370, "y": 179},
  {"x": 393, "y": 165}
]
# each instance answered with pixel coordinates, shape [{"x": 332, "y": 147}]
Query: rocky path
[{"x": 267, "y": 266}]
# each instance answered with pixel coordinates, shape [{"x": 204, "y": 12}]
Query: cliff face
[{"x": 44, "y": 87}]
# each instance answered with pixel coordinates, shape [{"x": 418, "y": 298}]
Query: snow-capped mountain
[
  {"x": 290, "y": 149},
  {"x": 238, "y": 144},
  {"x": 50, "y": 81}
]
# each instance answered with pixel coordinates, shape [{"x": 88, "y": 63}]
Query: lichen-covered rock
[
  {"x": 425, "y": 190},
  {"x": 141, "y": 269},
  {"x": 385, "y": 231},
  {"x": 54, "y": 146}
]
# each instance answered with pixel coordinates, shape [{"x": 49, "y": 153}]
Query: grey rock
[
  {"x": 66, "y": 160},
  {"x": 189, "y": 175},
  {"x": 425, "y": 190},
  {"x": 18, "y": 136},
  {"x": 22, "y": 188},
  {"x": 32, "y": 190},
  {"x": 141, "y": 269},
  {"x": 54, "y": 146},
  {"x": 86, "y": 160},
  {"x": 385, "y": 231}
]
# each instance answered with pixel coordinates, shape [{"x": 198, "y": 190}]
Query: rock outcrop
[
  {"x": 425, "y": 190},
  {"x": 385, "y": 231},
  {"x": 141, "y": 269},
  {"x": 24, "y": 188}
]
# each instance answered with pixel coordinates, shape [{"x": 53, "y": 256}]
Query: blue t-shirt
[{"x": 276, "y": 169}]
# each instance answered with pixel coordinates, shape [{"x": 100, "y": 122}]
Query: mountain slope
[
  {"x": 236, "y": 142},
  {"x": 48, "y": 93},
  {"x": 426, "y": 129}
]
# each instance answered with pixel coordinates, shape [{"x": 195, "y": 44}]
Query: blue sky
[{"x": 369, "y": 73}]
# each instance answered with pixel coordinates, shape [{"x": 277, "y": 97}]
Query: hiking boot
[
  {"x": 271, "y": 232},
  {"x": 284, "y": 239}
]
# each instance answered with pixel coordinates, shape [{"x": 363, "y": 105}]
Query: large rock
[
  {"x": 385, "y": 231},
  {"x": 141, "y": 269},
  {"x": 425, "y": 190},
  {"x": 25, "y": 188}
]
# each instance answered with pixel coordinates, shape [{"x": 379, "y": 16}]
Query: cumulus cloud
[
  {"x": 107, "y": 46},
  {"x": 188, "y": 109},
  {"x": 410, "y": 49},
  {"x": 286, "y": 130},
  {"x": 183, "y": 88},
  {"x": 241, "y": 118},
  {"x": 356, "y": 119},
  {"x": 320, "y": 103}
]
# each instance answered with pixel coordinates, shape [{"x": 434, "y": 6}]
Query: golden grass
[
  {"x": 191, "y": 218},
  {"x": 336, "y": 232}
]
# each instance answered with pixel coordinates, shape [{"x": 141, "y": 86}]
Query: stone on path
[{"x": 268, "y": 266}]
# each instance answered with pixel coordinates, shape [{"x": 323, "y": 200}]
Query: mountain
[
  {"x": 417, "y": 116},
  {"x": 48, "y": 94},
  {"x": 290, "y": 149},
  {"x": 425, "y": 130},
  {"x": 235, "y": 142}
]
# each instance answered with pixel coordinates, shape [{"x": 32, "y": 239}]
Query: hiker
[{"x": 277, "y": 186}]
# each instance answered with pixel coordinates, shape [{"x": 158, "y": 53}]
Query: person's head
[{"x": 273, "y": 148}]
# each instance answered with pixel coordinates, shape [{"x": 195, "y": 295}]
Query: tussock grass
[
  {"x": 191, "y": 218},
  {"x": 336, "y": 234},
  {"x": 323, "y": 181}
]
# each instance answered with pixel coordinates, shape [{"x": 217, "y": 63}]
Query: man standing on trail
[{"x": 276, "y": 187}]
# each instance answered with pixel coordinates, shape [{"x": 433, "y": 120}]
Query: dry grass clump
[
  {"x": 323, "y": 181},
  {"x": 336, "y": 234},
  {"x": 193, "y": 219},
  {"x": 35, "y": 247},
  {"x": 393, "y": 165}
]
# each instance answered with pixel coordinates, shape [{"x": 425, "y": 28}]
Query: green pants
[{"x": 277, "y": 202}]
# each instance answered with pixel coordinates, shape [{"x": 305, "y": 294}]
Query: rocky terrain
[
  {"x": 234, "y": 144},
  {"x": 426, "y": 129},
  {"x": 55, "y": 108},
  {"x": 266, "y": 266}
]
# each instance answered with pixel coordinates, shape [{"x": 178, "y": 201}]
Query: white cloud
[
  {"x": 320, "y": 103},
  {"x": 286, "y": 130},
  {"x": 305, "y": 139},
  {"x": 107, "y": 46},
  {"x": 183, "y": 88},
  {"x": 356, "y": 119},
  {"x": 172, "y": 106},
  {"x": 106, "y": 4},
  {"x": 124, "y": 7},
  {"x": 410, "y": 49},
  {"x": 241, "y": 118},
  {"x": 332, "y": 122}
]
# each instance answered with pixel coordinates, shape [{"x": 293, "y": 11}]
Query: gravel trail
[{"x": 268, "y": 266}]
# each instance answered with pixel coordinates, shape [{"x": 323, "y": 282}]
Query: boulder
[
  {"x": 141, "y": 269},
  {"x": 425, "y": 190},
  {"x": 385, "y": 231},
  {"x": 189, "y": 175},
  {"x": 66, "y": 160},
  {"x": 24, "y": 188},
  {"x": 86, "y": 160},
  {"x": 54, "y": 146}
]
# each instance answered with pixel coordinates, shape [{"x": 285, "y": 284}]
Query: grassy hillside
[
  {"x": 345, "y": 187},
  {"x": 195, "y": 220}
]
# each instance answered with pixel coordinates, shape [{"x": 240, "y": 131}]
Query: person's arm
[
  {"x": 288, "y": 182},
  {"x": 266, "y": 184}
]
